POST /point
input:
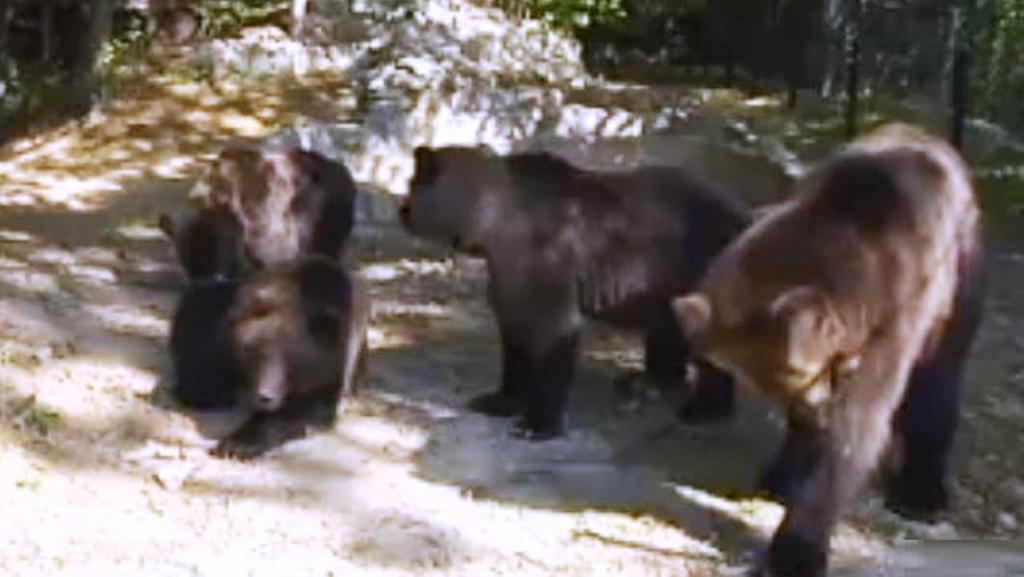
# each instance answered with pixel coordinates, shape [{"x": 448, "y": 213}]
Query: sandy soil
[{"x": 99, "y": 475}]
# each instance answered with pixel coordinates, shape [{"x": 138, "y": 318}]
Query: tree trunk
[
  {"x": 852, "y": 67},
  {"x": 835, "y": 43},
  {"x": 96, "y": 16},
  {"x": 797, "y": 24},
  {"x": 960, "y": 85},
  {"x": 6, "y": 13},
  {"x": 46, "y": 30}
]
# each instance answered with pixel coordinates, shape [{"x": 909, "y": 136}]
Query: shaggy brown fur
[
  {"x": 289, "y": 202},
  {"x": 562, "y": 243},
  {"x": 854, "y": 304},
  {"x": 299, "y": 334}
]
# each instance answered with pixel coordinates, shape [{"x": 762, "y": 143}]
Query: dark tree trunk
[
  {"x": 6, "y": 14},
  {"x": 95, "y": 18},
  {"x": 46, "y": 30},
  {"x": 797, "y": 23},
  {"x": 852, "y": 67},
  {"x": 833, "y": 24},
  {"x": 960, "y": 86}
]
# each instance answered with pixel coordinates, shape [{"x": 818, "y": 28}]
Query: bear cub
[
  {"x": 298, "y": 332},
  {"x": 288, "y": 201}
]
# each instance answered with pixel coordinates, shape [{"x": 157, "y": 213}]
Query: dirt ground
[{"x": 100, "y": 475}]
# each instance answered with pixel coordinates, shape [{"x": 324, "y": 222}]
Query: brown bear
[
  {"x": 563, "y": 243},
  {"x": 209, "y": 247},
  {"x": 208, "y": 243},
  {"x": 854, "y": 304},
  {"x": 289, "y": 201},
  {"x": 298, "y": 332}
]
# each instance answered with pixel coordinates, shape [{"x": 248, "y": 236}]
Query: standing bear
[
  {"x": 563, "y": 243},
  {"x": 854, "y": 304}
]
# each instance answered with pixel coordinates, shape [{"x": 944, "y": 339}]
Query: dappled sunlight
[
  {"x": 103, "y": 465},
  {"x": 161, "y": 125},
  {"x": 404, "y": 268},
  {"x": 130, "y": 320},
  {"x": 381, "y": 338}
]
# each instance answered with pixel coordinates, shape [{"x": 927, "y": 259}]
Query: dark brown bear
[
  {"x": 562, "y": 243},
  {"x": 208, "y": 244},
  {"x": 854, "y": 304},
  {"x": 289, "y": 201},
  {"x": 298, "y": 332}
]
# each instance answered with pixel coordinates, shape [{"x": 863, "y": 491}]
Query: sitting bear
[
  {"x": 289, "y": 201},
  {"x": 854, "y": 304},
  {"x": 563, "y": 243},
  {"x": 298, "y": 332},
  {"x": 209, "y": 248},
  {"x": 208, "y": 244}
]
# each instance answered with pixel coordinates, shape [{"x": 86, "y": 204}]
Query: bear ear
[
  {"x": 694, "y": 314},
  {"x": 168, "y": 224},
  {"x": 426, "y": 164},
  {"x": 423, "y": 156},
  {"x": 813, "y": 329}
]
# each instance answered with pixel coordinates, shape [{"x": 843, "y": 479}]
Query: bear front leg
[
  {"x": 785, "y": 476},
  {"x": 854, "y": 428},
  {"x": 510, "y": 398},
  {"x": 928, "y": 419},
  {"x": 259, "y": 434},
  {"x": 667, "y": 353},
  {"x": 547, "y": 394}
]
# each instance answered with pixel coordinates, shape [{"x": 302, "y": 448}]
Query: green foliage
[
  {"x": 129, "y": 42},
  {"x": 999, "y": 70},
  {"x": 29, "y": 415},
  {"x": 222, "y": 18}
]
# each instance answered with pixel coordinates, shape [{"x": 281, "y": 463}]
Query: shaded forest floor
[{"x": 101, "y": 476}]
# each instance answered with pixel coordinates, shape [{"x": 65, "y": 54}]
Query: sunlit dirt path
[{"x": 98, "y": 475}]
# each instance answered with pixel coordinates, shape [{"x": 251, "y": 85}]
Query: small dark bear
[
  {"x": 289, "y": 201},
  {"x": 298, "y": 332},
  {"x": 562, "y": 243},
  {"x": 209, "y": 248},
  {"x": 208, "y": 244},
  {"x": 206, "y": 374},
  {"x": 854, "y": 304}
]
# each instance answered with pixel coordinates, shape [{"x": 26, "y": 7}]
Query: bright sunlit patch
[
  {"x": 241, "y": 125},
  {"x": 760, "y": 515},
  {"x": 174, "y": 168},
  {"x": 396, "y": 309},
  {"x": 92, "y": 274},
  {"x": 434, "y": 410},
  {"x": 761, "y": 102},
  {"x": 51, "y": 255},
  {"x": 613, "y": 528},
  {"x": 382, "y": 339},
  {"x": 68, "y": 385},
  {"x": 386, "y": 436},
  {"x": 404, "y": 268},
  {"x": 29, "y": 280},
  {"x": 139, "y": 231},
  {"x": 16, "y": 236},
  {"x": 127, "y": 319}
]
